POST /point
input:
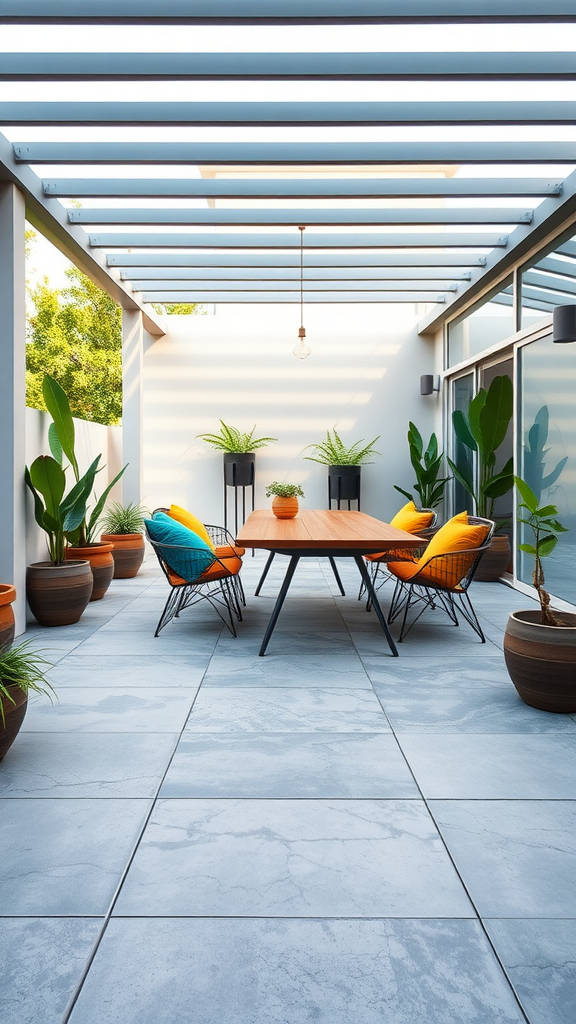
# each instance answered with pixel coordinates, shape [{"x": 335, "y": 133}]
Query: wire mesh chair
[
  {"x": 202, "y": 576},
  {"x": 442, "y": 581},
  {"x": 225, "y": 547},
  {"x": 377, "y": 565}
]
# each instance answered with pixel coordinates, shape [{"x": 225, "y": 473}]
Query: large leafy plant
[
  {"x": 427, "y": 465},
  {"x": 333, "y": 451},
  {"x": 61, "y": 438},
  {"x": 534, "y": 457},
  {"x": 58, "y": 514},
  {"x": 543, "y": 522},
  {"x": 482, "y": 430},
  {"x": 230, "y": 439}
]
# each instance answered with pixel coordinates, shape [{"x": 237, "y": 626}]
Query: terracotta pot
[
  {"x": 99, "y": 556},
  {"x": 541, "y": 660},
  {"x": 58, "y": 594},
  {"x": 13, "y": 718},
  {"x": 285, "y": 508},
  {"x": 494, "y": 561},
  {"x": 7, "y": 596},
  {"x": 128, "y": 553}
]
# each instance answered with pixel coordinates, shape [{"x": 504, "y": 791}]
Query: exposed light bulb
[{"x": 302, "y": 350}]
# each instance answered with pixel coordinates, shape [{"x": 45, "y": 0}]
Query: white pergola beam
[
  {"x": 249, "y": 217},
  {"x": 353, "y": 240},
  {"x": 273, "y": 259},
  {"x": 286, "y": 297}
]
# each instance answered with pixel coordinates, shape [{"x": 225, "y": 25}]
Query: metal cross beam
[
  {"x": 393, "y": 261},
  {"x": 556, "y": 266},
  {"x": 310, "y": 287},
  {"x": 556, "y": 284},
  {"x": 376, "y": 217},
  {"x": 306, "y": 188},
  {"x": 217, "y": 240},
  {"x": 292, "y": 113},
  {"x": 294, "y": 297},
  {"x": 295, "y": 153},
  {"x": 303, "y": 66},
  {"x": 443, "y": 276}
]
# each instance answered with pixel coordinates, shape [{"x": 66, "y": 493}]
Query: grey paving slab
[
  {"x": 540, "y": 959},
  {"x": 422, "y": 642},
  {"x": 177, "y": 638},
  {"x": 285, "y": 765},
  {"x": 290, "y": 642},
  {"x": 517, "y": 858},
  {"x": 408, "y": 673},
  {"x": 41, "y": 963},
  {"x": 489, "y": 709},
  {"x": 112, "y": 709},
  {"x": 301, "y": 972},
  {"x": 93, "y": 764},
  {"x": 306, "y": 670},
  {"x": 502, "y": 767},
  {"x": 287, "y": 709},
  {"x": 65, "y": 857},
  {"x": 165, "y": 671},
  {"x": 306, "y": 859}
]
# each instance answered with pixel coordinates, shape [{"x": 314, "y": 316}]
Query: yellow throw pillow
[
  {"x": 194, "y": 524},
  {"x": 411, "y": 520}
]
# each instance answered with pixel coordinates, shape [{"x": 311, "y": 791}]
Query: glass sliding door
[{"x": 463, "y": 390}]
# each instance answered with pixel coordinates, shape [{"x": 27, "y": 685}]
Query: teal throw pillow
[{"x": 191, "y": 557}]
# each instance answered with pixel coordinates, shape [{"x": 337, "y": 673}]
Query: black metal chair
[
  {"x": 377, "y": 564},
  {"x": 224, "y": 547},
  {"x": 442, "y": 580}
]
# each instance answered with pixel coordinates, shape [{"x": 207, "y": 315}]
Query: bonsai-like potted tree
[
  {"x": 21, "y": 672},
  {"x": 427, "y": 465},
  {"x": 482, "y": 430},
  {"x": 239, "y": 452},
  {"x": 540, "y": 644},
  {"x": 344, "y": 464},
  {"x": 285, "y": 503},
  {"x": 123, "y": 526}
]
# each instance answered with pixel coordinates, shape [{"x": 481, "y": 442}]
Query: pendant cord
[{"x": 301, "y": 229}]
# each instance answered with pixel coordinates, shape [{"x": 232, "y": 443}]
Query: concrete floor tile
[
  {"x": 286, "y": 709},
  {"x": 540, "y": 961},
  {"x": 306, "y": 670},
  {"x": 112, "y": 709},
  {"x": 165, "y": 671}
]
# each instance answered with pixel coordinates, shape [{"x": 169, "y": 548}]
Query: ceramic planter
[
  {"x": 58, "y": 594},
  {"x": 127, "y": 553},
  {"x": 344, "y": 483},
  {"x": 541, "y": 660},
  {"x": 239, "y": 468},
  {"x": 13, "y": 717},
  {"x": 494, "y": 561},
  {"x": 285, "y": 508},
  {"x": 99, "y": 556},
  {"x": 7, "y": 596}
]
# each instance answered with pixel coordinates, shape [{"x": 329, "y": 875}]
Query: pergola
[{"x": 391, "y": 217}]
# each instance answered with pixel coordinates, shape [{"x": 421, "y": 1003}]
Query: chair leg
[
  {"x": 470, "y": 615},
  {"x": 171, "y": 607}
]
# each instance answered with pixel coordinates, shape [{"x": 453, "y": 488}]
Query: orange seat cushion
[
  {"x": 231, "y": 566},
  {"x": 404, "y": 570},
  {"x": 229, "y": 550},
  {"x": 187, "y": 519}
]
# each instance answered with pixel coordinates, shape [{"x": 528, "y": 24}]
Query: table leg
[
  {"x": 265, "y": 573},
  {"x": 336, "y": 575},
  {"x": 279, "y": 602},
  {"x": 375, "y": 603}
]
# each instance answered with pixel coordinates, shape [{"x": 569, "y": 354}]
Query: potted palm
[
  {"x": 344, "y": 465},
  {"x": 239, "y": 452},
  {"x": 123, "y": 526},
  {"x": 540, "y": 645},
  {"x": 21, "y": 672},
  {"x": 427, "y": 465},
  {"x": 285, "y": 503},
  {"x": 82, "y": 542},
  {"x": 482, "y": 430}
]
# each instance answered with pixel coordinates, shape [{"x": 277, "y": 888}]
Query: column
[
  {"x": 132, "y": 365},
  {"x": 13, "y": 396}
]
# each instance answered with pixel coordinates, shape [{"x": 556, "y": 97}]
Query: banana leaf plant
[
  {"x": 482, "y": 430},
  {"x": 57, "y": 513},
  {"x": 535, "y": 452},
  {"x": 427, "y": 464},
  {"x": 61, "y": 438}
]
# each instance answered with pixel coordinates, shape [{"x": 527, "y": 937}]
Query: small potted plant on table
[
  {"x": 344, "y": 465},
  {"x": 123, "y": 525},
  {"x": 540, "y": 644},
  {"x": 21, "y": 672},
  {"x": 285, "y": 504}
]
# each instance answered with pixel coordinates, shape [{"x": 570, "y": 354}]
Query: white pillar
[
  {"x": 132, "y": 365},
  {"x": 13, "y": 396}
]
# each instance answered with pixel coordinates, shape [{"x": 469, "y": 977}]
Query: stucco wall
[{"x": 362, "y": 377}]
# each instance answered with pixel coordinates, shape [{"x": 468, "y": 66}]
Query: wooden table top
[{"x": 320, "y": 528}]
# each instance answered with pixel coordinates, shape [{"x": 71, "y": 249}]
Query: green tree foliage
[{"x": 75, "y": 335}]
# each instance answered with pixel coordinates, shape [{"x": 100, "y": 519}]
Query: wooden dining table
[{"x": 320, "y": 533}]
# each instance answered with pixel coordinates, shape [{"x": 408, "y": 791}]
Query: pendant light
[{"x": 302, "y": 350}]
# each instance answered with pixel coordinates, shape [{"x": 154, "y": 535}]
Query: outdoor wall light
[
  {"x": 564, "y": 324},
  {"x": 429, "y": 384},
  {"x": 302, "y": 350}
]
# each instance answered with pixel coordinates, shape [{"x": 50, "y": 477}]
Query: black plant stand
[
  {"x": 344, "y": 485},
  {"x": 239, "y": 471}
]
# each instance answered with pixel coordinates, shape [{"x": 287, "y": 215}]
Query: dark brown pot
[
  {"x": 99, "y": 556},
  {"x": 58, "y": 594},
  {"x": 541, "y": 660},
  {"x": 7, "y": 596},
  {"x": 13, "y": 717},
  {"x": 494, "y": 561},
  {"x": 128, "y": 553}
]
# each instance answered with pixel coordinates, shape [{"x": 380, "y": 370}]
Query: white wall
[
  {"x": 362, "y": 377},
  {"x": 92, "y": 439}
]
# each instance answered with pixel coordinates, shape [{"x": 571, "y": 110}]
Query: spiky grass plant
[
  {"x": 230, "y": 439},
  {"x": 333, "y": 451},
  {"x": 24, "y": 667},
  {"x": 120, "y": 518}
]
